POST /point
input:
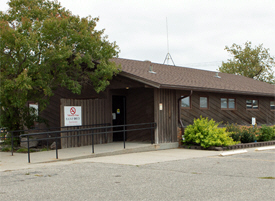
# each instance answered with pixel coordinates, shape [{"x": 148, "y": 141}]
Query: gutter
[
  {"x": 179, "y": 109},
  {"x": 215, "y": 90},
  {"x": 139, "y": 79}
]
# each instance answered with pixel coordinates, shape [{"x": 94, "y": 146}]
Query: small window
[
  {"x": 33, "y": 107},
  {"x": 33, "y": 110},
  {"x": 252, "y": 104},
  {"x": 185, "y": 102},
  {"x": 223, "y": 103},
  {"x": 231, "y": 103},
  {"x": 228, "y": 103},
  {"x": 204, "y": 102},
  {"x": 272, "y": 105}
]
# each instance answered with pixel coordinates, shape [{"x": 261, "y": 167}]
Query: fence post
[
  {"x": 12, "y": 143},
  {"x": 106, "y": 137},
  {"x": 152, "y": 132},
  {"x": 29, "y": 157},
  {"x": 47, "y": 140},
  {"x": 78, "y": 137},
  {"x": 56, "y": 151},
  {"x": 93, "y": 149},
  {"x": 124, "y": 135}
]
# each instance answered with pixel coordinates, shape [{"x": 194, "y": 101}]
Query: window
[
  {"x": 252, "y": 104},
  {"x": 33, "y": 110},
  {"x": 228, "y": 103},
  {"x": 203, "y": 102},
  {"x": 33, "y": 107},
  {"x": 185, "y": 102},
  {"x": 272, "y": 105}
]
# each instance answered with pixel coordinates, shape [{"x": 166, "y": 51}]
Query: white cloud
[{"x": 198, "y": 30}]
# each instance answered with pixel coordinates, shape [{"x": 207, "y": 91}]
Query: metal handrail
[
  {"x": 37, "y": 129},
  {"x": 125, "y": 126}
]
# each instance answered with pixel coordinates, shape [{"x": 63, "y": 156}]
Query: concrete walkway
[
  {"x": 134, "y": 154},
  {"x": 142, "y": 153},
  {"x": 20, "y": 160}
]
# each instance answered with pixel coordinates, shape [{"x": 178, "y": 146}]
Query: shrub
[
  {"x": 206, "y": 133},
  {"x": 248, "y": 134},
  {"x": 243, "y": 134},
  {"x": 235, "y": 131},
  {"x": 266, "y": 133},
  {"x": 6, "y": 138},
  {"x": 251, "y": 134},
  {"x": 6, "y": 149}
]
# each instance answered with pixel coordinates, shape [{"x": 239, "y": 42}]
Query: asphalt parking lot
[{"x": 249, "y": 176}]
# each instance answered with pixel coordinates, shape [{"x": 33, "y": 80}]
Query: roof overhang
[
  {"x": 139, "y": 79},
  {"x": 202, "y": 89}
]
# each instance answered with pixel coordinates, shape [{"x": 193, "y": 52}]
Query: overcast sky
[{"x": 198, "y": 30}]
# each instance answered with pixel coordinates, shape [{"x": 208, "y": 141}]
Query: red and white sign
[{"x": 72, "y": 116}]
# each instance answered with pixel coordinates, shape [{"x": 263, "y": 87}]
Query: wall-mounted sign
[
  {"x": 160, "y": 106},
  {"x": 72, "y": 116},
  {"x": 253, "y": 121},
  {"x": 114, "y": 116}
]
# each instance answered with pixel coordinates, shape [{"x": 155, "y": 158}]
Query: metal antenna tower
[{"x": 168, "y": 55}]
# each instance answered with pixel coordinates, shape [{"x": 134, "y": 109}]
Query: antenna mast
[{"x": 168, "y": 55}]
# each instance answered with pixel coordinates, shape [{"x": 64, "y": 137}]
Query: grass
[
  {"x": 195, "y": 173},
  {"x": 6, "y": 149},
  {"x": 266, "y": 177},
  {"x": 44, "y": 149},
  {"x": 21, "y": 150},
  {"x": 24, "y": 150}
]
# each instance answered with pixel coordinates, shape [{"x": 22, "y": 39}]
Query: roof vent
[
  {"x": 150, "y": 66},
  {"x": 217, "y": 75},
  {"x": 151, "y": 69}
]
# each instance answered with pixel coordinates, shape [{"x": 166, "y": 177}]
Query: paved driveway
[{"x": 207, "y": 177}]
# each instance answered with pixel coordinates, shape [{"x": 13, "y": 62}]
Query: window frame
[
  {"x": 273, "y": 105},
  {"x": 252, "y": 104},
  {"x": 190, "y": 105},
  {"x": 207, "y": 101},
  {"x": 227, "y": 108}
]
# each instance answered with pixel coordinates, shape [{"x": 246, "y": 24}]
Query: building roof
[{"x": 174, "y": 77}]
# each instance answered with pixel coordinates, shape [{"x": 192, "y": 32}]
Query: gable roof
[{"x": 173, "y": 77}]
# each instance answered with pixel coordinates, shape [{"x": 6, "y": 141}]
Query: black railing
[
  {"x": 91, "y": 132},
  {"x": 6, "y": 134}
]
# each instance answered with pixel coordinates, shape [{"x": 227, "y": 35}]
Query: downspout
[{"x": 179, "y": 109}]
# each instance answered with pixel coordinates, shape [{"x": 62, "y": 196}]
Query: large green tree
[
  {"x": 250, "y": 62},
  {"x": 44, "y": 46}
]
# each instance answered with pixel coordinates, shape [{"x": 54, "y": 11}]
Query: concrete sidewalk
[
  {"x": 20, "y": 160},
  {"x": 134, "y": 154}
]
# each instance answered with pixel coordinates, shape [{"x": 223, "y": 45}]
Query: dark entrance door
[{"x": 119, "y": 112}]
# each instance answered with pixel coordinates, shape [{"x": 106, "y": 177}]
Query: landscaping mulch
[{"x": 237, "y": 146}]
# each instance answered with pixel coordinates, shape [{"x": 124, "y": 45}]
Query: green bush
[
  {"x": 243, "y": 134},
  {"x": 6, "y": 138},
  {"x": 249, "y": 134},
  {"x": 6, "y": 149},
  {"x": 206, "y": 133},
  {"x": 266, "y": 133},
  {"x": 235, "y": 131}
]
